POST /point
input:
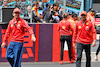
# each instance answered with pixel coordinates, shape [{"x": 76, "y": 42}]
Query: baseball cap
[
  {"x": 84, "y": 12},
  {"x": 16, "y": 10}
]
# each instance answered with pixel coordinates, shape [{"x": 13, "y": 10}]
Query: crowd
[
  {"x": 70, "y": 26},
  {"x": 51, "y": 13}
]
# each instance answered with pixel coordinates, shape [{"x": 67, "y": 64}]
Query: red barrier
[{"x": 46, "y": 48}]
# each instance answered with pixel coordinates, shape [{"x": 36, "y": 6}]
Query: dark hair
[
  {"x": 55, "y": 4},
  {"x": 35, "y": 3},
  {"x": 74, "y": 14}
]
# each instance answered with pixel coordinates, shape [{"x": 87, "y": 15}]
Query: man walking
[
  {"x": 83, "y": 34},
  {"x": 16, "y": 27}
]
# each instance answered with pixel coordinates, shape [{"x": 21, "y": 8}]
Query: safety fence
[{"x": 46, "y": 48}]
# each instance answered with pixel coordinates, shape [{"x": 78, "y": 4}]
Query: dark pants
[
  {"x": 62, "y": 40},
  {"x": 87, "y": 48},
  {"x": 14, "y": 54}
]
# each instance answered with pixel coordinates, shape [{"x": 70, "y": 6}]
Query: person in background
[
  {"x": 61, "y": 11},
  {"x": 72, "y": 21},
  {"x": 16, "y": 27},
  {"x": 28, "y": 14},
  {"x": 35, "y": 15},
  {"x": 69, "y": 15},
  {"x": 5, "y": 3},
  {"x": 54, "y": 16},
  {"x": 45, "y": 10},
  {"x": 64, "y": 28},
  {"x": 90, "y": 16},
  {"x": 47, "y": 14},
  {"x": 97, "y": 52},
  {"x": 82, "y": 35}
]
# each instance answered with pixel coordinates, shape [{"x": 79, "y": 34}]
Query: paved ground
[
  {"x": 50, "y": 64},
  {"x": 56, "y": 64}
]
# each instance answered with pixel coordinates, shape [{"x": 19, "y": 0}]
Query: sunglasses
[{"x": 83, "y": 15}]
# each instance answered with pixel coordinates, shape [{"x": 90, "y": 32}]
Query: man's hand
[
  {"x": 3, "y": 45},
  {"x": 44, "y": 22},
  {"x": 33, "y": 38},
  {"x": 94, "y": 43}
]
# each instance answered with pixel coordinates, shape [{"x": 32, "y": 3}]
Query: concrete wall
[{"x": 96, "y": 6}]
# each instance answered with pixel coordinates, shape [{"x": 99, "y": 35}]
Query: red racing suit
[
  {"x": 17, "y": 30},
  {"x": 83, "y": 32}
]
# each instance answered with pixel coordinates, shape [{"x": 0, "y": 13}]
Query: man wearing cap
[
  {"x": 90, "y": 16},
  {"x": 82, "y": 32},
  {"x": 16, "y": 27}
]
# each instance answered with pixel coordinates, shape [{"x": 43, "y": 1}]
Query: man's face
[
  {"x": 16, "y": 14},
  {"x": 5, "y": 2},
  {"x": 93, "y": 13},
  {"x": 75, "y": 18},
  {"x": 29, "y": 8},
  {"x": 83, "y": 17},
  {"x": 37, "y": 6}
]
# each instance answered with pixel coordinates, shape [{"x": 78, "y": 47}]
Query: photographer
[{"x": 54, "y": 15}]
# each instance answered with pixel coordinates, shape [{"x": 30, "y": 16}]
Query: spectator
[
  {"x": 84, "y": 39},
  {"x": 54, "y": 16},
  {"x": 28, "y": 14},
  {"x": 35, "y": 16},
  {"x": 45, "y": 10},
  {"x": 64, "y": 28},
  {"x": 5, "y": 3},
  {"x": 61, "y": 11},
  {"x": 90, "y": 16},
  {"x": 47, "y": 14}
]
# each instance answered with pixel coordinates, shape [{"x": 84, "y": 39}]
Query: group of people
[
  {"x": 50, "y": 14},
  {"x": 77, "y": 32}
]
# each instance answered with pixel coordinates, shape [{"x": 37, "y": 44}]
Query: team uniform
[
  {"x": 73, "y": 26},
  {"x": 84, "y": 39},
  {"x": 15, "y": 48},
  {"x": 91, "y": 18},
  {"x": 65, "y": 27}
]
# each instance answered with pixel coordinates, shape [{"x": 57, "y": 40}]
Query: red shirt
[
  {"x": 84, "y": 32},
  {"x": 17, "y": 31},
  {"x": 65, "y": 27}
]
